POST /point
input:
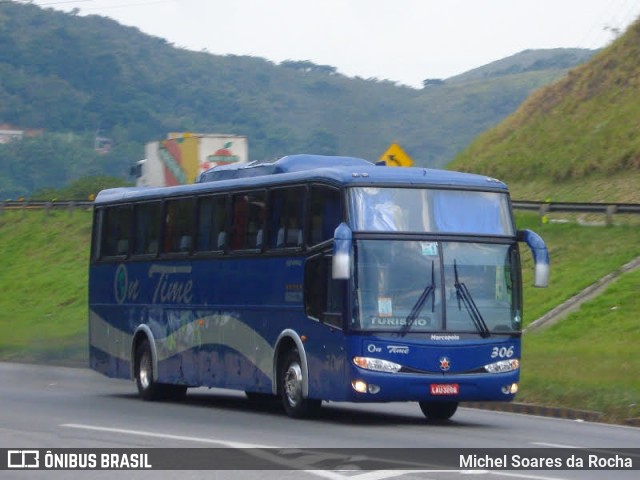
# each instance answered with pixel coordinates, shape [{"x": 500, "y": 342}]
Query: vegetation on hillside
[
  {"x": 590, "y": 360},
  {"x": 51, "y": 161},
  {"x": 583, "y": 128},
  {"x": 85, "y": 188},
  {"x": 134, "y": 88},
  {"x": 526, "y": 61}
]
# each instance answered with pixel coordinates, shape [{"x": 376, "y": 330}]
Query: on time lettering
[{"x": 169, "y": 290}]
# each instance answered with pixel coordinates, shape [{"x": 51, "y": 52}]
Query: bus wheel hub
[{"x": 293, "y": 384}]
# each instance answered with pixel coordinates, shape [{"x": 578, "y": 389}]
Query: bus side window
[
  {"x": 117, "y": 234},
  {"x": 326, "y": 213},
  {"x": 147, "y": 228},
  {"x": 178, "y": 226},
  {"x": 286, "y": 217},
  {"x": 96, "y": 234},
  {"x": 247, "y": 223},
  {"x": 212, "y": 220}
]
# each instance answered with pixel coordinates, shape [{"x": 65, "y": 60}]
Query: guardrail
[
  {"x": 577, "y": 207},
  {"x": 40, "y": 204},
  {"x": 609, "y": 209},
  {"x": 69, "y": 205}
]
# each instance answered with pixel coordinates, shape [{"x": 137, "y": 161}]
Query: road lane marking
[
  {"x": 606, "y": 450},
  {"x": 166, "y": 436},
  {"x": 553, "y": 445},
  {"x": 523, "y": 475}
]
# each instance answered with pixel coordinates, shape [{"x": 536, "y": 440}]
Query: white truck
[{"x": 180, "y": 158}]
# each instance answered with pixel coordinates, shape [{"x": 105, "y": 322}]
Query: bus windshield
[
  {"x": 430, "y": 210},
  {"x": 436, "y": 286}
]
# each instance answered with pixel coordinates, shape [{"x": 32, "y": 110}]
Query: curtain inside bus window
[
  {"x": 239, "y": 221},
  {"x": 247, "y": 230},
  {"x": 277, "y": 218},
  {"x": 205, "y": 225},
  {"x": 377, "y": 209},
  {"x": 470, "y": 212}
]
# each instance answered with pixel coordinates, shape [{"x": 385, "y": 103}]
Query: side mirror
[
  {"x": 540, "y": 256},
  {"x": 342, "y": 245}
]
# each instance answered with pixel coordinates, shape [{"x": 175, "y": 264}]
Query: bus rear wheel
[
  {"x": 148, "y": 388},
  {"x": 291, "y": 381},
  {"x": 438, "y": 410}
]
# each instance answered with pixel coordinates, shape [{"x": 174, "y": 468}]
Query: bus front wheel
[
  {"x": 148, "y": 388},
  {"x": 291, "y": 380},
  {"x": 438, "y": 410}
]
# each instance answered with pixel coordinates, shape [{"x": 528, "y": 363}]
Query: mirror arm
[
  {"x": 540, "y": 256},
  {"x": 342, "y": 245}
]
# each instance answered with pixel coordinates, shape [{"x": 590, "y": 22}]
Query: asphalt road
[{"x": 55, "y": 407}]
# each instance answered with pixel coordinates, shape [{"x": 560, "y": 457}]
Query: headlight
[
  {"x": 376, "y": 364},
  {"x": 503, "y": 366}
]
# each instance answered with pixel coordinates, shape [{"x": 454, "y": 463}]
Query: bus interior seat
[
  {"x": 222, "y": 240},
  {"x": 185, "y": 243},
  {"x": 294, "y": 238},
  {"x": 152, "y": 247},
  {"x": 123, "y": 247}
]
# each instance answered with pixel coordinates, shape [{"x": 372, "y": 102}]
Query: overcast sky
[{"x": 400, "y": 40}]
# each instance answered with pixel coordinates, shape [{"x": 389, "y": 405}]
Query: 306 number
[{"x": 502, "y": 352}]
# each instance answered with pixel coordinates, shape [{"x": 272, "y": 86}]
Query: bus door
[{"x": 324, "y": 300}]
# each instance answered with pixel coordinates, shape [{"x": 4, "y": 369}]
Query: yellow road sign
[{"x": 395, "y": 156}]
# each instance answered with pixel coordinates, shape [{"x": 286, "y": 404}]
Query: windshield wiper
[
  {"x": 417, "y": 308},
  {"x": 462, "y": 292}
]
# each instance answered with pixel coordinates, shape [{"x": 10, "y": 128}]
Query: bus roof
[
  {"x": 288, "y": 164},
  {"x": 303, "y": 168}
]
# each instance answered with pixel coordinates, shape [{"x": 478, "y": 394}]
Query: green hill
[
  {"x": 78, "y": 77},
  {"x": 588, "y": 361},
  {"x": 527, "y": 61},
  {"x": 576, "y": 139}
]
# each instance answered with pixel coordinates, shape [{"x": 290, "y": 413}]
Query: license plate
[{"x": 445, "y": 389}]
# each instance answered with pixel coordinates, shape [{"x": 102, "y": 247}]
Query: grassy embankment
[
  {"x": 575, "y": 140},
  {"x": 588, "y": 361},
  {"x": 43, "y": 305}
]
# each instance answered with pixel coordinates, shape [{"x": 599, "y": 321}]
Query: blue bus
[{"x": 313, "y": 278}]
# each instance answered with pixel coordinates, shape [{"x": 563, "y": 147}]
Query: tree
[
  {"x": 430, "y": 82},
  {"x": 323, "y": 142}
]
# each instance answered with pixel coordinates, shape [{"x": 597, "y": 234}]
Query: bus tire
[
  {"x": 438, "y": 410},
  {"x": 148, "y": 389},
  {"x": 291, "y": 380}
]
